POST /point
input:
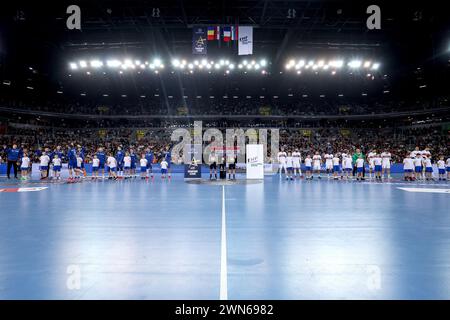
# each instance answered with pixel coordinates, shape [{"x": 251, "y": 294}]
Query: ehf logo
[{"x": 244, "y": 40}]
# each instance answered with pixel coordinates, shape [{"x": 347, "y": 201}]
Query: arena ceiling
[{"x": 34, "y": 33}]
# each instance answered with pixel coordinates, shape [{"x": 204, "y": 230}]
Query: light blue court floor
[{"x": 272, "y": 240}]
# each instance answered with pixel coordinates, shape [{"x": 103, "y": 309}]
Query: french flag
[{"x": 227, "y": 34}]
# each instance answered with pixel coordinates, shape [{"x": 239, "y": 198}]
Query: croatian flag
[
  {"x": 211, "y": 33},
  {"x": 226, "y": 34}
]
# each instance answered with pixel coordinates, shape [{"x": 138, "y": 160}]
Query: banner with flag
[
  {"x": 211, "y": 33},
  {"x": 234, "y": 35},
  {"x": 199, "y": 42},
  {"x": 245, "y": 41},
  {"x": 218, "y": 33},
  {"x": 227, "y": 34}
]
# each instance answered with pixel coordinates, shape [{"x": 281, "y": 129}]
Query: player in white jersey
[
  {"x": 44, "y": 162},
  {"x": 127, "y": 165},
  {"x": 447, "y": 166},
  {"x": 426, "y": 153},
  {"x": 441, "y": 168},
  {"x": 143, "y": 163},
  {"x": 386, "y": 164},
  {"x": 308, "y": 167},
  {"x": 317, "y": 162},
  {"x": 377, "y": 162},
  {"x": 112, "y": 166},
  {"x": 415, "y": 152},
  {"x": 56, "y": 167},
  {"x": 164, "y": 166},
  {"x": 24, "y": 166},
  {"x": 370, "y": 156},
  {"x": 289, "y": 166},
  {"x": 282, "y": 161},
  {"x": 328, "y": 164},
  {"x": 297, "y": 160},
  {"x": 408, "y": 165},
  {"x": 95, "y": 167},
  {"x": 428, "y": 168},
  {"x": 347, "y": 165},
  {"x": 359, "y": 168},
  {"x": 336, "y": 167},
  {"x": 418, "y": 165}
]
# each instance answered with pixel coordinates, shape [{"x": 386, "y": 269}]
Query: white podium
[{"x": 255, "y": 161}]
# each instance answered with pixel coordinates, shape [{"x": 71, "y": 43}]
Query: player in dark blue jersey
[
  {"x": 120, "y": 155},
  {"x": 72, "y": 158},
  {"x": 168, "y": 157},
  {"x": 101, "y": 155},
  {"x": 134, "y": 158},
  {"x": 149, "y": 157}
]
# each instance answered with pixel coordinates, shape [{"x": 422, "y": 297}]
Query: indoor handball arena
[{"x": 257, "y": 150}]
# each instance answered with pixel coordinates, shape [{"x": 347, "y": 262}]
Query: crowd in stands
[
  {"x": 308, "y": 141},
  {"x": 160, "y": 106}
]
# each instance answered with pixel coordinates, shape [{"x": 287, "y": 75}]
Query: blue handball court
[{"x": 270, "y": 239}]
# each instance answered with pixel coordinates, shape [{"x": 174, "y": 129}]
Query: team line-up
[{"x": 417, "y": 165}]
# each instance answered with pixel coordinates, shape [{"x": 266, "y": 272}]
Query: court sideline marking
[
  {"x": 223, "y": 253},
  {"x": 428, "y": 190}
]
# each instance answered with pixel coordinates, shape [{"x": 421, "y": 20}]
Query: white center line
[{"x": 223, "y": 254}]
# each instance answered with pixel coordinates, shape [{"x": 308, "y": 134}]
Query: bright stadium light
[
  {"x": 288, "y": 66},
  {"x": 190, "y": 66},
  {"x": 257, "y": 66},
  {"x": 196, "y": 62},
  {"x": 336, "y": 63},
  {"x": 244, "y": 62},
  {"x": 240, "y": 66},
  {"x": 375, "y": 66},
  {"x": 321, "y": 63},
  {"x": 263, "y": 63},
  {"x": 175, "y": 63},
  {"x": 355, "y": 64},
  {"x": 217, "y": 66},
  {"x": 96, "y": 64},
  {"x": 222, "y": 62},
  {"x": 367, "y": 64},
  {"x": 83, "y": 64},
  {"x": 157, "y": 62},
  {"x": 113, "y": 63},
  {"x": 231, "y": 66},
  {"x": 249, "y": 66},
  {"x": 204, "y": 62},
  {"x": 73, "y": 66}
]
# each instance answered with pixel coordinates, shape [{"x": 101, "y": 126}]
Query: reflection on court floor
[{"x": 284, "y": 240}]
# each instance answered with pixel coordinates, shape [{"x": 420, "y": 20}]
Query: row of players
[
  {"x": 110, "y": 165},
  {"x": 416, "y": 165},
  {"x": 122, "y": 164}
]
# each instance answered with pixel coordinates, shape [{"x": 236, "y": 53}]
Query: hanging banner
[
  {"x": 245, "y": 46},
  {"x": 199, "y": 41}
]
